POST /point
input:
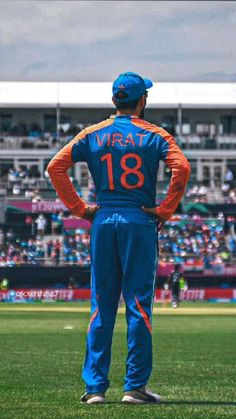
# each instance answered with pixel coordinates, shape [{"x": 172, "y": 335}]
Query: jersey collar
[{"x": 124, "y": 116}]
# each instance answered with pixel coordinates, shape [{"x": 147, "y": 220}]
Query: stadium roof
[{"x": 93, "y": 95}]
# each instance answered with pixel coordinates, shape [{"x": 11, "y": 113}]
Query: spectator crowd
[
  {"x": 14, "y": 251},
  {"x": 198, "y": 244}
]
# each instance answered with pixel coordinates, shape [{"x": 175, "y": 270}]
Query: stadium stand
[
  {"x": 197, "y": 243},
  {"x": 43, "y": 117}
]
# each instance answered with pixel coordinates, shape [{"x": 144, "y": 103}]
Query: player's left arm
[{"x": 175, "y": 160}]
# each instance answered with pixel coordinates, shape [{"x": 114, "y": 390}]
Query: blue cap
[{"x": 130, "y": 86}]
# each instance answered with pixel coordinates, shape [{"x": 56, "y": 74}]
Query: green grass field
[{"x": 42, "y": 348}]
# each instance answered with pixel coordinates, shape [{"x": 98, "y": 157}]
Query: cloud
[{"x": 95, "y": 40}]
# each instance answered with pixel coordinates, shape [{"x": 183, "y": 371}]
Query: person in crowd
[
  {"x": 229, "y": 177},
  {"x": 36, "y": 196},
  {"x": 166, "y": 293},
  {"x": 13, "y": 175},
  {"x": 72, "y": 283},
  {"x": 29, "y": 194},
  {"x": 41, "y": 223},
  {"x": 1, "y": 239},
  {"x": 49, "y": 245},
  {"x": 10, "y": 236},
  {"x": 91, "y": 192},
  {"x": 56, "y": 252}
]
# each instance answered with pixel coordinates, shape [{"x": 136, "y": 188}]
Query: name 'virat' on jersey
[
  {"x": 123, "y": 159},
  {"x": 123, "y": 155}
]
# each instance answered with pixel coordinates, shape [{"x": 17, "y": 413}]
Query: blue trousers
[{"x": 123, "y": 259}]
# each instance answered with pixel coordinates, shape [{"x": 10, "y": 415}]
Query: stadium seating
[{"x": 198, "y": 244}]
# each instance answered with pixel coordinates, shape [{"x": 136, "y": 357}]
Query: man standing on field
[
  {"x": 123, "y": 154},
  {"x": 174, "y": 285}
]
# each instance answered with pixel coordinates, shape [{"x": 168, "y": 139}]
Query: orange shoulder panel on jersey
[
  {"x": 59, "y": 165},
  {"x": 180, "y": 169}
]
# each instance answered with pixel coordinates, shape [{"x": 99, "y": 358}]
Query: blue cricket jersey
[{"x": 123, "y": 155}]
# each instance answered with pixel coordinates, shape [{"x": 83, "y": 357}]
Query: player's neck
[{"x": 126, "y": 112}]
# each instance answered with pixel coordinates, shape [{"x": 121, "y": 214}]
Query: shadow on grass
[
  {"x": 179, "y": 403},
  {"x": 197, "y": 403}
]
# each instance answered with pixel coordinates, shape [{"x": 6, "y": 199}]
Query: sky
[{"x": 97, "y": 40}]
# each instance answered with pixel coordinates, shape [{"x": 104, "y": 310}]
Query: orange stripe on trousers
[
  {"x": 92, "y": 318},
  {"x": 144, "y": 315}
]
